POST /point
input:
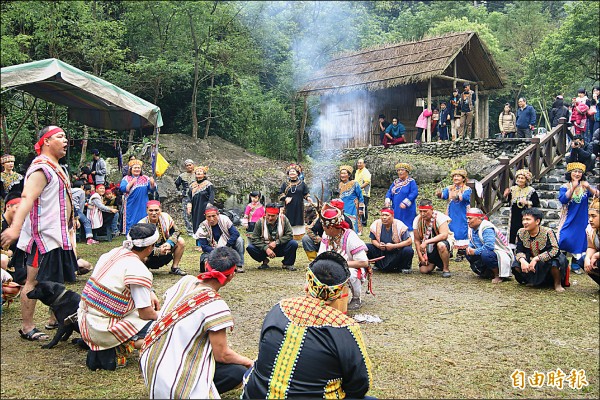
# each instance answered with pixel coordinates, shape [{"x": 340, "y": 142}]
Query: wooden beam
[{"x": 450, "y": 78}]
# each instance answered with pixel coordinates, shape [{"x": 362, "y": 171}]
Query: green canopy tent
[{"x": 89, "y": 100}]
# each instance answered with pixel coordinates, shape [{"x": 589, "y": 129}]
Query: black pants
[
  {"x": 228, "y": 376},
  {"x": 365, "y": 216}
]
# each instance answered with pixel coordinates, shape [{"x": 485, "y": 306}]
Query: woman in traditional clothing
[
  {"x": 293, "y": 193},
  {"x": 351, "y": 194},
  {"x": 574, "y": 214},
  {"x": 11, "y": 181},
  {"x": 200, "y": 194},
  {"x": 521, "y": 195},
  {"x": 591, "y": 264},
  {"x": 135, "y": 188},
  {"x": 459, "y": 199},
  {"x": 401, "y": 196}
]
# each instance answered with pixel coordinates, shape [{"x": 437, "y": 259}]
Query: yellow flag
[{"x": 161, "y": 165}]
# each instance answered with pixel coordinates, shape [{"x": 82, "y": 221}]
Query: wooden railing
[{"x": 539, "y": 157}]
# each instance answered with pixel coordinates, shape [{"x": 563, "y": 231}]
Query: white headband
[{"x": 130, "y": 243}]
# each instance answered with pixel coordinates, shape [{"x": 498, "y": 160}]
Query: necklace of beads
[
  {"x": 293, "y": 185},
  {"x": 519, "y": 195},
  {"x": 578, "y": 193}
]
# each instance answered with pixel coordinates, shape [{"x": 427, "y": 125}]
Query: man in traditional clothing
[
  {"x": 308, "y": 347},
  {"x": 182, "y": 183},
  {"x": 44, "y": 224},
  {"x": 351, "y": 195},
  {"x": 118, "y": 304},
  {"x": 433, "y": 239},
  {"x": 218, "y": 231},
  {"x": 488, "y": 251},
  {"x": 390, "y": 238},
  {"x": 314, "y": 233},
  {"x": 592, "y": 254},
  {"x": 273, "y": 237},
  {"x": 186, "y": 355},
  {"x": 339, "y": 237},
  {"x": 363, "y": 177},
  {"x": 170, "y": 245},
  {"x": 538, "y": 261}
]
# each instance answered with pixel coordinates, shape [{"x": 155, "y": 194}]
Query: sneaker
[
  {"x": 354, "y": 304},
  {"x": 289, "y": 267},
  {"x": 577, "y": 271},
  {"x": 406, "y": 271},
  {"x": 446, "y": 274},
  {"x": 92, "y": 241}
]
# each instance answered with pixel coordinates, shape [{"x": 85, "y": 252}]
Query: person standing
[
  {"x": 521, "y": 195},
  {"x": 44, "y": 224},
  {"x": 292, "y": 194},
  {"x": 526, "y": 118},
  {"x": 559, "y": 110},
  {"x": 182, "y": 183},
  {"x": 454, "y": 113},
  {"x": 98, "y": 168},
  {"x": 507, "y": 122},
  {"x": 445, "y": 121},
  {"x": 135, "y": 188},
  {"x": 363, "y": 177},
  {"x": 11, "y": 181},
  {"x": 467, "y": 110},
  {"x": 459, "y": 199},
  {"x": 573, "y": 196},
  {"x": 421, "y": 125},
  {"x": 351, "y": 195},
  {"x": 200, "y": 194},
  {"x": 402, "y": 194}
]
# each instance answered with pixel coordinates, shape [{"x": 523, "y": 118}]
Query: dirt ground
[{"x": 440, "y": 338}]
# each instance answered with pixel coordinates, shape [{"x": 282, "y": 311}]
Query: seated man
[
  {"x": 538, "y": 261},
  {"x": 170, "y": 245},
  {"x": 117, "y": 303},
  {"x": 314, "y": 232},
  {"x": 591, "y": 265},
  {"x": 218, "y": 231},
  {"x": 186, "y": 355},
  {"x": 341, "y": 238},
  {"x": 272, "y": 237},
  {"x": 488, "y": 251},
  {"x": 433, "y": 239},
  {"x": 308, "y": 347},
  {"x": 390, "y": 238}
]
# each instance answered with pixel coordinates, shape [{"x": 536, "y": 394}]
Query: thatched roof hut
[{"x": 357, "y": 86}]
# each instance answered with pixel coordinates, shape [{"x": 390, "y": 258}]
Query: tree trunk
[
  {"x": 210, "y": 97},
  {"x": 130, "y": 138},
  {"x": 5, "y": 140},
  {"x": 84, "y": 144},
  {"x": 195, "y": 84},
  {"x": 299, "y": 155},
  {"x": 293, "y": 115}
]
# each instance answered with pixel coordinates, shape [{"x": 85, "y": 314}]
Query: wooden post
[
  {"x": 535, "y": 163},
  {"x": 428, "y": 108},
  {"x": 505, "y": 182},
  {"x": 475, "y": 131},
  {"x": 454, "y": 81}
]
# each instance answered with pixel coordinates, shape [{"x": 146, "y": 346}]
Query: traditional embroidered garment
[
  {"x": 349, "y": 193},
  {"x": 205, "y": 231},
  {"x": 573, "y": 220},
  {"x": 12, "y": 181},
  {"x": 394, "y": 259},
  {"x": 309, "y": 350},
  {"x": 517, "y": 198},
  {"x": 107, "y": 314},
  {"x": 352, "y": 248},
  {"x": 457, "y": 211},
  {"x": 134, "y": 201},
  {"x": 94, "y": 214},
  {"x": 403, "y": 192},
  {"x": 166, "y": 229},
  {"x": 432, "y": 228},
  {"x": 298, "y": 191},
  {"x": 200, "y": 194},
  {"x": 51, "y": 217},
  {"x": 593, "y": 237},
  {"x": 176, "y": 359},
  {"x": 545, "y": 246},
  {"x": 254, "y": 211},
  {"x": 504, "y": 254}
]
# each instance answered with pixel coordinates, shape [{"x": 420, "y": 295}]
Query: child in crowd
[
  {"x": 422, "y": 125},
  {"x": 435, "y": 117},
  {"x": 254, "y": 211}
]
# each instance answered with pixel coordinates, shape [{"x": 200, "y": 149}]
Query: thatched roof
[{"x": 406, "y": 63}]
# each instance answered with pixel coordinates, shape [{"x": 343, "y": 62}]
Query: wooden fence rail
[{"x": 539, "y": 157}]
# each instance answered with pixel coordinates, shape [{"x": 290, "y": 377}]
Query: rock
[
  {"x": 479, "y": 165},
  {"x": 554, "y": 204}
]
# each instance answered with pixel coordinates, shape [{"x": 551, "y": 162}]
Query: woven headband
[
  {"x": 40, "y": 143},
  {"x": 322, "y": 291},
  {"x": 131, "y": 243}
]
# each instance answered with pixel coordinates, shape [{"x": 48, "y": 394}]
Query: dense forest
[{"x": 233, "y": 68}]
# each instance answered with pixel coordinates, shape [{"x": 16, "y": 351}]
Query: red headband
[
  {"x": 211, "y": 209},
  {"x": 97, "y": 186},
  {"x": 425, "y": 207},
  {"x": 153, "y": 203},
  {"x": 40, "y": 143},
  {"x": 16, "y": 200},
  {"x": 272, "y": 210},
  {"x": 214, "y": 274},
  {"x": 339, "y": 204},
  {"x": 387, "y": 210},
  {"x": 478, "y": 215}
]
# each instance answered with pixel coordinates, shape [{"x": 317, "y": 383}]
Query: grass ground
[{"x": 440, "y": 338}]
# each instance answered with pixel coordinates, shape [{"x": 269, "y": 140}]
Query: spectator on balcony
[
  {"x": 507, "y": 122},
  {"x": 581, "y": 153},
  {"x": 394, "y": 134},
  {"x": 526, "y": 118},
  {"x": 559, "y": 110},
  {"x": 520, "y": 196},
  {"x": 383, "y": 124}
]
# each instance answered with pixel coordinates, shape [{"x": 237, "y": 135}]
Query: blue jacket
[
  {"x": 444, "y": 117},
  {"x": 526, "y": 117}
]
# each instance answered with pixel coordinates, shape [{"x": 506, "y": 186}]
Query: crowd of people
[{"x": 182, "y": 339}]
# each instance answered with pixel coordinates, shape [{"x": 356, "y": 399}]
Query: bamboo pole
[{"x": 428, "y": 108}]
